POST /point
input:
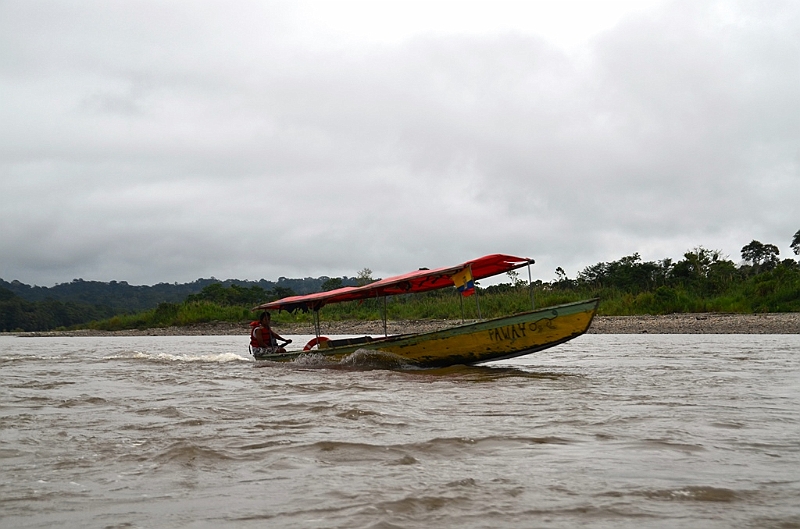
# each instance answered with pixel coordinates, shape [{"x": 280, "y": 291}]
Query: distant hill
[
  {"x": 23, "y": 315},
  {"x": 121, "y": 297}
]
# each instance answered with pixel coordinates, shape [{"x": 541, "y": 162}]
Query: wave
[
  {"x": 371, "y": 359},
  {"x": 411, "y": 453},
  {"x": 219, "y": 358},
  {"x": 486, "y": 373},
  {"x": 700, "y": 493},
  {"x": 189, "y": 454},
  {"x": 358, "y": 360}
]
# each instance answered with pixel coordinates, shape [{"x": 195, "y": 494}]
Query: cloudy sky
[{"x": 170, "y": 140}]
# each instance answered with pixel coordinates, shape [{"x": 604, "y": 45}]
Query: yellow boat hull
[{"x": 484, "y": 341}]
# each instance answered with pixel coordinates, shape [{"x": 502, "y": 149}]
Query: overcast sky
[{"x": 170, "y": 140}]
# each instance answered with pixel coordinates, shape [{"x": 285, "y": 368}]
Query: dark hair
[{"x": 266, "y": 315}]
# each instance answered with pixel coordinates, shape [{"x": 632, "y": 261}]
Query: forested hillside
[
  {"x": 33, "y": 308},
  {"x": 122, "y": 297},
  {"x": 19, "y": 314}
]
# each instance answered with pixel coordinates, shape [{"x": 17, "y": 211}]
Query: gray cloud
[{"x": 164, "y": 142}]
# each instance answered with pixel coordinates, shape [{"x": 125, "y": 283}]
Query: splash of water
[
  {"x": 372, "y": 359},
  {"x": 168, "y": 358}
]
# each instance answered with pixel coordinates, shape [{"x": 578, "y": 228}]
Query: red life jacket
[
  {"x": 253, "y": 340},
  {"x": 268, "y": 339}
]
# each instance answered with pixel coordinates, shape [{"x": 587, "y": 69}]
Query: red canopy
[{"x": 412, "y": 282}]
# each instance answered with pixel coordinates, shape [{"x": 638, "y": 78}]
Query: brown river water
[{"x": 607, "y": 431}]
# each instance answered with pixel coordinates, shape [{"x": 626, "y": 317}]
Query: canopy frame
[{"x": 422, "y": 280}]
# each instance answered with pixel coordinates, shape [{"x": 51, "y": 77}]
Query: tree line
[
  {"x": 703, "y": 280},
  {"x": 704, "y": 270},
  {"x": 80, "y": 302},
  {"x": 17, "y": 314},
  {"x": 123, "y": 297}
]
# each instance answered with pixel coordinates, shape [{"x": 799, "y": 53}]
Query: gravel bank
[{"x": 706, "y": 323}]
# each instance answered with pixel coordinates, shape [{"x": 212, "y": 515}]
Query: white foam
[
  {"x": 167, "y": 357},
  {"x": 374, "y": 359},
  {"x": 311, "y": 359}
]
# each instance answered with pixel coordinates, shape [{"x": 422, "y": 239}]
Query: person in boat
[{"x": 263, "y": 340}]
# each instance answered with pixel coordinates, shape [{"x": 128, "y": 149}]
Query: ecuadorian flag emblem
[{"x": 464, "y": 282}]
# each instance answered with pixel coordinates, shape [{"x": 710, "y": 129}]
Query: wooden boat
[{"x": 473, "y": 343}]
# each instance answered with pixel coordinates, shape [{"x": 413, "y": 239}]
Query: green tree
[
  {"x": 762, "y": 256},
  {"x": 232, "y": 295},
  {"x": 364, "y": 277},
  {"x": 795, "y": 246},
  {"x": 696, "y": 263},
  {"x": 562, "y": 281},
  {"x": 629, "y": 274},
  {"x": 332, "y": 284},
  {"x": 281, "y": 292},
  {"x": 516, "y": 281}
]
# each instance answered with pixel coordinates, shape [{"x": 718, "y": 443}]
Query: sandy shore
[{"x": 707, "y": 323}]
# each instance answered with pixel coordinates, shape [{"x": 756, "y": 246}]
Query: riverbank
[{"x": 705, "y": 323}]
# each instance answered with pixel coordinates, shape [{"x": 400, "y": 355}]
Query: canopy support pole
[
  {"x": 316, "y": 323},
  {"x": 461, "y": 301},
  {"x": 477, "y": 301},
  {"x": 385, "y": 333},
  {"x": 530, "y": 286}
]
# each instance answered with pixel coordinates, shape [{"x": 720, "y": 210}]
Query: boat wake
[
  {"x": 360, "y": 359},
  {"x": 371, "y": 359},
  {"x": 219, "y": 358},
  {"x": 483, "y": 373}
]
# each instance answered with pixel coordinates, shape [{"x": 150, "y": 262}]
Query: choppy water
[{"x": 605, "y": 431}]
